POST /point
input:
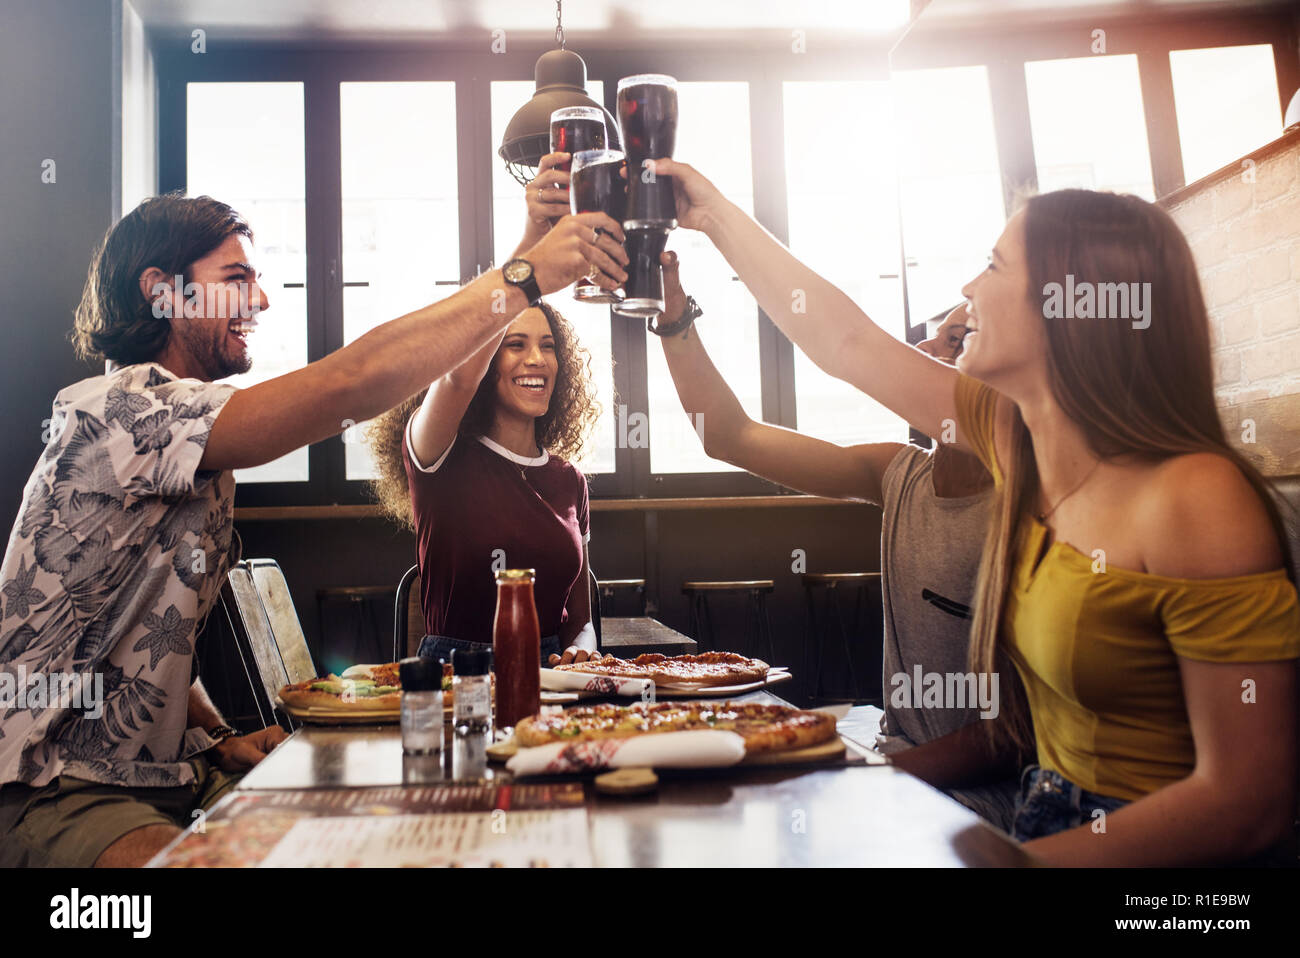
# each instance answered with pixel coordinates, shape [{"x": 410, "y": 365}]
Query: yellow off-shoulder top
[{"x": 1098, "y": 651}]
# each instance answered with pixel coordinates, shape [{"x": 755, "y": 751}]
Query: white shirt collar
[{"x": 517, "y": 459}]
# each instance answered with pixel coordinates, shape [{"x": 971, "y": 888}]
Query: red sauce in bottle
[{"x": 516, "y": 648}]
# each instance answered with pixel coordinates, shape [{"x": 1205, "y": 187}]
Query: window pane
[
  {"x": 823, "y": 210},
  {"x": 949, "y": 180},
  {"x": 1089, "y": 128},
  {"x": 589, "y": 320},
  {"x": 712, "y": 135},
  {"x": 400, "y": 223},
  {"x": 1227, "y": 103},
  {"x": 244, "y": 146}
]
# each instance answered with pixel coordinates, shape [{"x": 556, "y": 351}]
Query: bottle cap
[
  {"x": 471, "y": 661},
  {"x": 420, "y": 674},
  {"x": 515, "y": 575}
]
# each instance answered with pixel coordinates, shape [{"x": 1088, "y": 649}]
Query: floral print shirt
[{"x": 119, "y": 549}]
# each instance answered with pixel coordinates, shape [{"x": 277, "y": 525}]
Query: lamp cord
[{"x": 559, "y": 23}]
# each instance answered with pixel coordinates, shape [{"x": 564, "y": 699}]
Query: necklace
[{"x": 1042, "y": 516}]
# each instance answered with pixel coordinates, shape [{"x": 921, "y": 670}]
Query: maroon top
[{"x": 479, "y": 498}]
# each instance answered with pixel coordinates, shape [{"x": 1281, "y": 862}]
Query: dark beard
[{"x": 211, "y": 356}]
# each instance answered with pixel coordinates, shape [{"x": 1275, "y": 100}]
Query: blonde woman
[{"x": 1135, "y": 570}]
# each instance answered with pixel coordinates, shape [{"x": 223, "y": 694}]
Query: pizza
[
  {"x": 765, "y": 728},
  {"x": 363, "y": 688},
  {"x": 702, "y": 670}
]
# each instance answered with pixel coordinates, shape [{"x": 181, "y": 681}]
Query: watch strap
[
  {"x": 690, "y": 314},
  {"x": 220, "y": 733},
  {"x": 527, "y": 286}
]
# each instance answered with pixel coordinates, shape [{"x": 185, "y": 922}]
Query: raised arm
[
  {"x": 818, "y": 317},
  {"x": 401, "y": 357},
  {"x": 782, "y": 455},
  {"x": 435, "y": 423}
]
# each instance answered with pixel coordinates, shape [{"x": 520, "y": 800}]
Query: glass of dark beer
[
  {"x": 643, "y": 293},
  {"x": 647, "y": 116},
  {"x": 596, "y": 185},
  {"x": 647, "y": 119},
  {"x": 575, "y": 129}
]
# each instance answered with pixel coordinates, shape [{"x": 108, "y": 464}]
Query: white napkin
[
  {"x": 556, "y": 680},
  {"x": 706, "y": 748}
]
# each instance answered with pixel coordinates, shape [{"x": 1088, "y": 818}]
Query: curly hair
[
  {"x": 563, "y": 431},
  {"x": 114, "y": 319}
]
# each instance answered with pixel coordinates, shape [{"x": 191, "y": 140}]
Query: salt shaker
[{"x": 421, "y": 705}]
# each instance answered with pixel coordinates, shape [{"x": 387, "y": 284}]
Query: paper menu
[{"x": 514, "y": 839}]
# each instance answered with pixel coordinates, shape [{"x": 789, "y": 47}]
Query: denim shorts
[
  {"x": 1051, "y": 803},
  {"x": 441, "y": 646}
]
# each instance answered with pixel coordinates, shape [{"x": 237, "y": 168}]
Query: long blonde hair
[{"x": 1144, "y": 391}]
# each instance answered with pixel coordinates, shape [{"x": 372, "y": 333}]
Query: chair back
[
  {"x": 286, "y": 630},
  {"x": 408, "y": 616},
  {"x": 595, "y": 604},
  {"x": 255, "y": 642}
]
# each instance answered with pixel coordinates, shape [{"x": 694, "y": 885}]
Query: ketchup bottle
[{"x": 516, "y": 648}]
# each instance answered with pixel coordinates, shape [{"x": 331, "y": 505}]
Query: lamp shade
[{"x": 561, "y": 78}]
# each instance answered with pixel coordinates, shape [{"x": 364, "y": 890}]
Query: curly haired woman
[{"x": 479, "y": 464}]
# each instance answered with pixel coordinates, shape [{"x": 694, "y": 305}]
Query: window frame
[{"x": 321, "y": 67}]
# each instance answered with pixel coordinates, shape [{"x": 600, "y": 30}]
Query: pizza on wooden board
[
  {"x": 702, "y": 670},
  {"x": 362, "y": 688},
  {"x": 765, "y": 728}
]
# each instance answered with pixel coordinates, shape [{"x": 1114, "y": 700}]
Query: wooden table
[
  {"x": 851, "y": 813},
  {"x": 632, "y": 636}
]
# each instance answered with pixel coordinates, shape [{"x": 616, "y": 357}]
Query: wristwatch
[
  {"x": 690, "y": 314},
  {"x": 519, "y": 272}
]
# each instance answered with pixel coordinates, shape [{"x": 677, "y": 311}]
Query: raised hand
[
  {"x": 573, "y": 246},
  {"x": 674, "y": 295},
  {"x": 547, "y": 194},
  {"x": 698, "y": 200}
]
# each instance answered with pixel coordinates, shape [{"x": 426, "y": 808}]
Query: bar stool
[
  {"x": 367, "y": 643},
  {"x": 609, "y": 588},
  {"x": 817, "y": 627},
  {"x": 698, "y": 591}
]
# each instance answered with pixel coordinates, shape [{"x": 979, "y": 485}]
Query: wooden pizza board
[
  {"x": 813, "y": 753},
  {"x": 317, "y": 716},
  {"x": 823, "y": 752}
]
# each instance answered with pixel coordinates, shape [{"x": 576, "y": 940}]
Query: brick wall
[{"x": 1243, "y": 224}]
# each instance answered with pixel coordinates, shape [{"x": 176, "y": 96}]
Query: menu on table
[{"x": 478, "y": 824}]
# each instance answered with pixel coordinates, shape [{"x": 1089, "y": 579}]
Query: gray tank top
[{"x": 929, "y": 556}]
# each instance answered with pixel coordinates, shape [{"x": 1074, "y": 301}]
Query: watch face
[{"x": 517, "y": 270}]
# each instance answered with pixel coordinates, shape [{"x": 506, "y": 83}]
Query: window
[
  {"x": 1227, "y": 103},
  {"x": 949, "y": 182},
  {"x": 590, "y": 321},
  {"x": 713, "y": 135},
  {"x": 401, "y": 243},
  {"x": 846, "y": 228},
  {"x": 1088, "y": 124},
  {"x": 244, "y": 146}
]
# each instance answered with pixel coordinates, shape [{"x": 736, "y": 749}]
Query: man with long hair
[{"x": 125, "y": 529}]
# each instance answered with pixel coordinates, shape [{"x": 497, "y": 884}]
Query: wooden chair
[
  {"x": 608, "y": 589},
  {"x": 821, "y": 629},
  {"x": 758, "y": 638}
]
